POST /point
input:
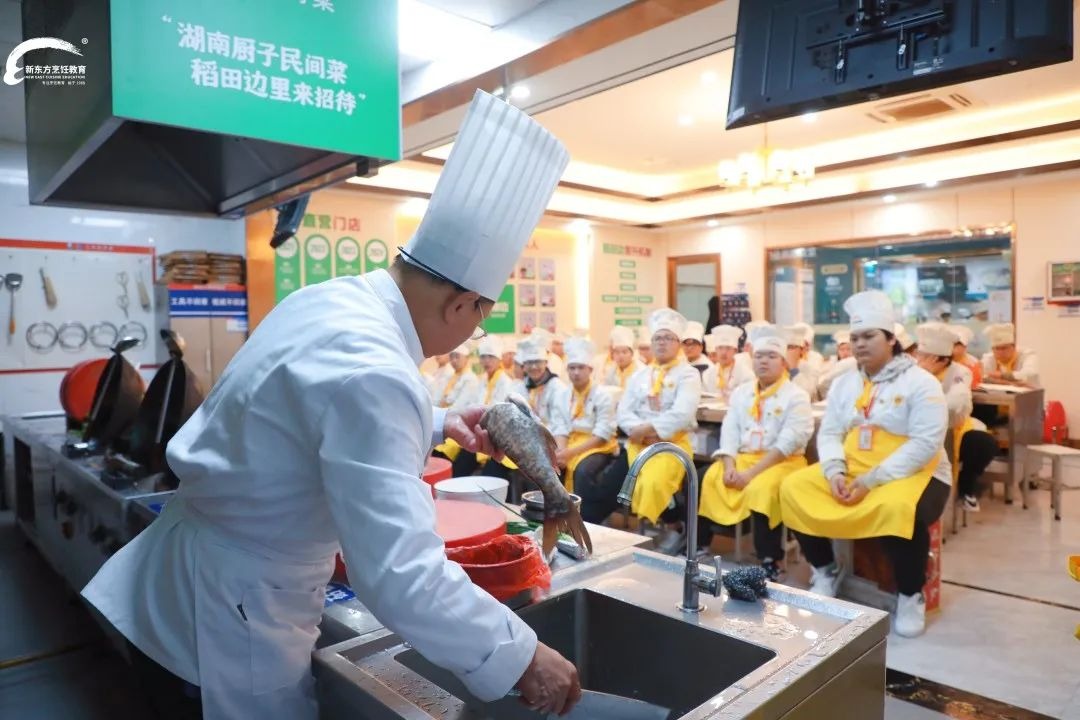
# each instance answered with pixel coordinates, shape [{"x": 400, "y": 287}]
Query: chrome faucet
[{"x": 693, "y": 579}]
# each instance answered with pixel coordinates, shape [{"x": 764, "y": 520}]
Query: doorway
[{"x": 692, "y": 281}]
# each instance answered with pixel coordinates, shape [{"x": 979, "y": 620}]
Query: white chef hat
[
  {"x": 668, "y": 319},
  {"x": 902, "y": 336},
  {"x": 983, "y": 306},
  {"x": 541, "y": 336},
  {"x": 755, "y": 327},
  {"x": 842, "y": 337},
  {"x": 694, "y": 331},
  {"x": 964, "y": 334},
  {"x": 509, "y": 344},
  {"x": 724, "y": 336},
  {"x": 622, "y": 336},
  {"x": 579, "y": 351},
  {"x": 794, "y": 336},
  {"x": 807, "y": 331},
  {"x": 530, "y": 349},
  {"x": 936, "y": 339},
  {"x": 463, "y": 349},
  {"x": 1001, "y": 334},
  {"x": 770, "y": 339},
  {"x": 491, "y": 345},
  {"x": 644, "y": 336},
  {"x": 869, "y": 310},
  {"x": 501, "y": 173}
]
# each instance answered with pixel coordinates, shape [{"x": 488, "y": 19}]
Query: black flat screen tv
[{"x": 798, "y": 56}]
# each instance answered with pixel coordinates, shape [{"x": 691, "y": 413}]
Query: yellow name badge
[{"x": 866, "y": 437}]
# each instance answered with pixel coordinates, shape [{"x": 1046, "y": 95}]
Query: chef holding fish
[{"x": 314, "y": 439}]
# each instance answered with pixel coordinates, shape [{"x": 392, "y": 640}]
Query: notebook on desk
[{"x": 992, "y": 388}]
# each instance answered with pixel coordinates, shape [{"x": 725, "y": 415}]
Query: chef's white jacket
[
  {"x": 464, "y": 392},
  {"x": 838, "y": 368},
  {"x": 598, "y": 416},
  {"x": 736, "y": 375},
  {"x": 786, "y": 423},
  {"x": 316, "y": 434},
  {"x": 504, "y": 385},
  {"x": 1026, "y": 368},
  {"x": 437, "y": 382},
  {"x": 679, "y": 400},
  {"x": 610, "y": 374},
  {"x": 551, "y": 405}
]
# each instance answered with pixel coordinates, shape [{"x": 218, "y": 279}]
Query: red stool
[{"x": 435, "y": 470}]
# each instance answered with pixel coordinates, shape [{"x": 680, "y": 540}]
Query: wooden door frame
[{"x": 674, "y": 262}]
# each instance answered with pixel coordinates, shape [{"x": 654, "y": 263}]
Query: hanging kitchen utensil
[
  {"x": 50, "y": 291},
  {"x": 42, "y": 337},
  {"x": 12, "y": 281},
  {"x": 124, "y": 300},
  {"x": 134, "y": 329},
  {"x": 103, "y": 335},
  {"x": 72, "y": 336},
  {"x": 116, "y": 399},
  {"x": 144, "y": 294}
]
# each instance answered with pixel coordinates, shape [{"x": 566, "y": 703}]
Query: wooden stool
[{"x": 1055, "y": 453}]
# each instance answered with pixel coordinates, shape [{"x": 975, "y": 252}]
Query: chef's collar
[{"x": 388, "y": 291}]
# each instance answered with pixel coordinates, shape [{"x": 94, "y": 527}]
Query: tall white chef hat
[
  {"x": 724, "y": 336},
  {"x": 1001, "y": 334},
  {"x": 770, "y": 339},
  {"x": 807, "y": 331},
  {"x": 501, "y": 173},
  {"x": 463, "y": 349},
  {"x": 622, "y": 336},
  {"x": 531, "y": 349},
  {"x": 964, "y": 334},
  {"x": 842, "y": 337},
  {"x": 491, "y": 345},
  {"x": 542, "y": 336},
  {"x": 694, "y": 331},
  {"x": 579, "y": 351},
  {"x": 902, "y": 336},
  {"x": 755, "y": 327},
  {"x": 936, "y": 339},
  {"x": 869, "y": 310},
  {"x": 667, "y": 319},
  {"x": 794, "y": 336},
  {"x": 509, "y": 344}
]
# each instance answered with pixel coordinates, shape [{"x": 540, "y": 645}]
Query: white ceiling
[{"x": 492, "y": 13}]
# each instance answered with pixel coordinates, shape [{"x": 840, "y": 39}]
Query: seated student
[
  {"x": 804, "y": 372},
  {"x": 660, "y": 404},
  {"x": 459, "y": 392},
  {"x": 509, "y": 349},
  {"x": 439, "y": 377},
  {"x": 725, "y": 375},
  {"x": 548, "y": 394},
  {"x": 842, "y": 363},
  {"x": 964, "y": 338},
  {"x": 811, "y": 356},
  {"x": 496, "y": 384},
  {"x": 554, "y": 363},
  {"x": 644, "y": 346},
  {"x": 762, "y": 440},
  {"x": 622, "y": 364},
  {"x": 883, "y": 472},
  {"x": 693, "y": 346},
  {"x": 906, "y": 343},
  {"x": 973, "y": 448},
  {"x": 1005, "y": 363},
  {"x": 591, "y": 445}
]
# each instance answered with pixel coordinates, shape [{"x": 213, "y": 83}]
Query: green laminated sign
[
  {"x": 628, "y": 276},
  {"x": 628, "y": 287},
  {"x": 501, "y": 319},
  {"x": 610, "y": 298},
  {"x": 628, "y": 322},
  {"x": 313, "y": 73},
  {"x": 316, "y": 259},
  {"x": 628, "y": 311},
  {"x": 645, "y": 299},
  {"x": 628, "y": 298},
  {"x": 376, "y": 256},
  {"x": 627, "y": 263},
  {"x": 286, "y": 269},
  {"x": 346, "y": 257}
]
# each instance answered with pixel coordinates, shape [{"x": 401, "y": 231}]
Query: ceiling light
[
  {"x": 709, "y": 77},
  {"x": 766, "y": 166},
  {"x": 887, "y": 247},
  {"x": 713, "y": 222},
  {"x": 686, "y": 120},
  {"x": 520, "y": 92},
  {"x": 990, "y": 231},
  {"x": 890, "y": 198},
  {"x": 968, "y": 233},
  {"x": 930, "y": 183},
  {"x": 943, "y": 261},
  {"x": 809, "y": 117}
]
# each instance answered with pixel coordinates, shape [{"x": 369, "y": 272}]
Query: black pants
[
  {"x": 171, "y": 697},
  {"x": 768, "y": 542},
  {"x": 465, "y": 464},
  {"x": 599, "y": 488},
  {"x": 991, "y": 415},
  {"x": 587, "y": 473},
  {"x": 908, "y": 557},
  {"x": 977, "y": 450}
]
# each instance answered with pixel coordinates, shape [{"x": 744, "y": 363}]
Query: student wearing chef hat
[
  {"x": 883, "y": 471},
  {"x": 554, "y": 363},
  {"x": 439, "y": 376},
  {"x": 973, "y": 449},
  {"x": 904, "y": 341},
  {"x": 762, "y": 440},
  {"x": 591, "y": 446},
  {"x": 548, "y": 394},
  {"x": 315, "y": 441},
  {"x": 725, "y": 375},
  {"x": 644, "y": 345},
  {"x": 964, "y": 338},
  {"x": 804, "y": 373},
  {"x": 811, "y": 356},
  {"x": 1005, "y": 363},
  {"x": 660, "y": 404},
  {"x": 843, "y": 362},
  {"x": 693, "y": 346},
  {"x": 509, "y": 348},
  {"x": 460, "y": 391},
  {"x": 746, "y": 356},
  {"x": 622, "y": 363}
]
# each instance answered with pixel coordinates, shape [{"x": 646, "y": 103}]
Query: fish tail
[
  {"x": 551, "y": 534},
  {"x": 573, "y": 525}
]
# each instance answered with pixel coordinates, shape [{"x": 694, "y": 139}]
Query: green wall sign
[
  {"x": 628, "y": 298},
  {"x": 346, "y": 257},
  {"x": 645, "y": 299},
  {"x": 501, "y": 319},
  {"x": 628, "y": 276},
  {"x": 316, "y": 259},
  {"x": 610, "y": 298},
  {"x": 628, "y": 311},
  {"x": 627, "y": 287},
  {"x": 286, "y": 269},
  {"x": 629, "y": 322},
  {"x": 376, "y": 256},
  {"x": 627, "y": 263},
  {"x": 314, "y": 73}
]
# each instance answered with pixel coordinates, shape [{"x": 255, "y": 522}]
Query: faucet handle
[{"x": 710, "y": 585}]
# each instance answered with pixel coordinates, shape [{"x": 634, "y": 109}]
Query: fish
[{"x": 516, "y": 432}]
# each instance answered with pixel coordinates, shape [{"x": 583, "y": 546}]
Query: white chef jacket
[
  {"x": 504, "y": 385},
  {"x": 816, "y": 360},
  {"x": 317, "y": 433},
  {"x": 910, "y": 404},
  {"x": 786, "y": 423},
  {"x": 437, "y": 382},
  {"x": 736, "y": 375},
  {"x": 551, "y": 405},
  {"x": 837, "y": 369},
  {"x": 602, "y": 365},
  {"x": 611, "y": 376},
  {"x": 465, "y": 392},
  {"x": 679, "y": 400},
  {"x": 1026, "y": 368},
  {"x": 598, "y": 417},
  {"x": 956, "y": 384},
  {"x": 807, "y": 378}
]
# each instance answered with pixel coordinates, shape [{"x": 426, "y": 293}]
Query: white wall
[
  {"x": 1043, "y": 210},
  {"x": 20, "y": 393}
]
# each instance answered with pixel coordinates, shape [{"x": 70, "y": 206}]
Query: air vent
[{"x": 919, "y": 107}]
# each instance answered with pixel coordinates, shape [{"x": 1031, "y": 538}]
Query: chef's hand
[
  {"x": 839, "y": 486},
  {"x": 637, "y": 434},
  {"x": 563, "y": 457},
  {"x": 463, "y": 426},
  {"x": 550, "y": 683},
  {"x": 855, "y": 493}
]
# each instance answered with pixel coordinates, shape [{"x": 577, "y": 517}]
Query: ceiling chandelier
[{"x": 766, "y": 166}]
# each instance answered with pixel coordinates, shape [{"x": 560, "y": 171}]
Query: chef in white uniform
[
  {"x": 644, "y": 345},
  {"x": 622, "y": 364},
  {"x": 746, "y": 357},
  {"x": 844, "y": 362},
  {"x": 1005, "y": 363},
  {"x": 811, "y": 356},
  {"x": 547, "y": 393},
  {"x": 694, "y": 347},
  {"x": 554, "y": 363},
  {"x": 439, "y": 375},
  {"x": 292, "y": 457},
  {"x": 804, "y": 373},
  {"x": 726, "y": 374}
]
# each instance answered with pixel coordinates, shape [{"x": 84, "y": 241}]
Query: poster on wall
[
  {"x": 527, "y": 321},
  {"x": 527, "y": 268},
  {"x": 316, "y": 260},
  {"x": 527, "y": 295},
  {"x": 286, "y": 269},
  {"x": 376, "y": 256},
  {"x": 547, "y": 269},
  {"x": 501, "y": 319},
  {"x": 547, "y": 321},
  {"x": 547, "y": 296},
  {"x": 346, "y": 257}
]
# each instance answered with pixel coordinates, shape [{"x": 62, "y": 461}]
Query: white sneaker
[
  {"x": 823, "y": 581},
  {"x": 971, "y": 503},
  {"x": 910, "y": 619}
]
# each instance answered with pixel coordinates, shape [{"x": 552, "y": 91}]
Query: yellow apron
[
  {"x": 659, "y": 480},
  {"x": 808, "y": 506},
  {"x": 575, "y": 439},
  {"x": 730, "y": 506}
]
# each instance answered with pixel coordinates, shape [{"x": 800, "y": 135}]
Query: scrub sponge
[{"x": 746, "y": 583}]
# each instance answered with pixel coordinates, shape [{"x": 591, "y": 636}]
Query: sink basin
[{"x": 624, "y": 650}]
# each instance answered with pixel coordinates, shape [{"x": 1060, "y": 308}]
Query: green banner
[
  {"x": 376, "y": 256},
  {"x": 627, "y": 263},
  {"x": 628, "y": 276},
  {"x": 501, "y": 319},
  {"x": 286, "y": 269},
  {"x": 627, "y": 287},
  {"x": 316, "y": 259},
  {"x": 645, "y": 299},
  {"x": 346, "y": 257},
  {"x": 287, "y": 71},
  {"x": 610, "y": 298},
  {"x": 628, "y": 298},
  {"x": 628, "y": 311},
  {"x": 629, "y": 322}
]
